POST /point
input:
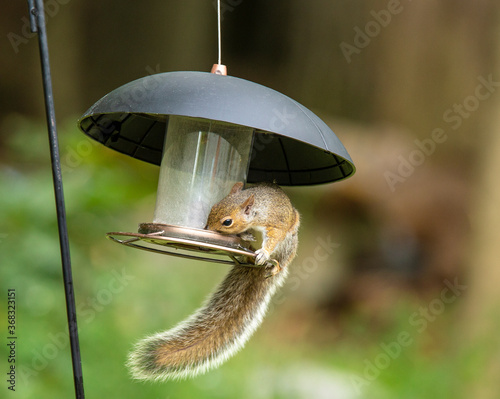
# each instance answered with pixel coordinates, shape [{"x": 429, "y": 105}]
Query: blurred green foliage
[{"x": 123, "y": 295}]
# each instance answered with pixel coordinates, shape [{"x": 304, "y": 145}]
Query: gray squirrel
[{"x": 237, "y": 307}]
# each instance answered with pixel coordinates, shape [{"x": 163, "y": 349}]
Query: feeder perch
[{"x": 208, "y": 131}]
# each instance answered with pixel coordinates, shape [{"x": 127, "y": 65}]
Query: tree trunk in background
[{"x": 481, "y": 319}]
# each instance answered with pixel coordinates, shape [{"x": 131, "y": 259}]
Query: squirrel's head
[{"x": 233, "y": 214}]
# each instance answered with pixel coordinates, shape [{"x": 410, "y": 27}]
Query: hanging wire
[
  {"x": 219, "y": 33},
  {"x": 218, "y": 68},
  {"x": 37, "y": 24}
]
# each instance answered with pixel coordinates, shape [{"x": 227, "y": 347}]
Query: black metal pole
[{"x": 37, "y": 18}]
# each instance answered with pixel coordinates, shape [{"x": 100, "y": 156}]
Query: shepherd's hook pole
[{"x": 37, "y": 21}]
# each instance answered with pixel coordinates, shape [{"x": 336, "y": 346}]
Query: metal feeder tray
[{"x": 183, "y": 241}]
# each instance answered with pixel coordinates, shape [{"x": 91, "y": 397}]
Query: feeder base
[{"x": 185, "y": 242}]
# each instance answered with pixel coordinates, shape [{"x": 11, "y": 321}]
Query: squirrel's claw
[
  {"x": 261, "y": 256},
  {"x": 273, "y": 268}
]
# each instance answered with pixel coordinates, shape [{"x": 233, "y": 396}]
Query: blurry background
[{"x": 395, "y": 290}]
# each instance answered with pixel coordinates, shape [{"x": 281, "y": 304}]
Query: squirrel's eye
[{"x": 227, "y": 222}]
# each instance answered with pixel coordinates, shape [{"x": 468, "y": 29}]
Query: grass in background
[{"x": 123, "y": 294}]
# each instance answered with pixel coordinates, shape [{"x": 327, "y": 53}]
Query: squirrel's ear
[
  {"x": 236, "y": 188},
  {"x": 247, "y": 205}
]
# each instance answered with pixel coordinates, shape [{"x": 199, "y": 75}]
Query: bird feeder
[{"x": 208, "y": 131}]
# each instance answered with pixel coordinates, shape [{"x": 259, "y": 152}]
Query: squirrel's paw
[
  {"x": 261, "y": 256},
  {"x": 273, "y": 268}
]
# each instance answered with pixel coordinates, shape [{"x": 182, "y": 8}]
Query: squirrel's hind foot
[{"x": 272, "y": 268}]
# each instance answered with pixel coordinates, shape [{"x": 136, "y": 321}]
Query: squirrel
[{"x": 223, "y": 325}]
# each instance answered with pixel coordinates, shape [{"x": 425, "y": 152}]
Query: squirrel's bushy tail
[{"x": 211, "y": 335}]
